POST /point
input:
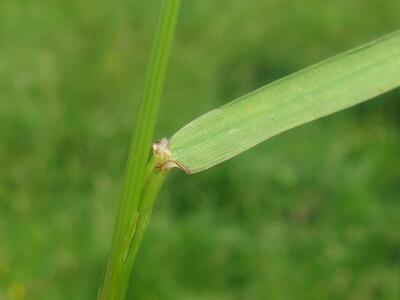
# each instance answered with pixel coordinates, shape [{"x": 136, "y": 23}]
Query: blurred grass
[{"x": 311, "y": 214}]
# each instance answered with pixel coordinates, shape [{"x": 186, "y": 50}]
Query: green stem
[
  {"x": 116, "y": 289},
  {"x": 140, "y": 190},
  {"x": 152, "y": 186}
]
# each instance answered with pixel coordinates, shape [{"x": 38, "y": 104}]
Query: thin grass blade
[{"x": 130, "y": 217}]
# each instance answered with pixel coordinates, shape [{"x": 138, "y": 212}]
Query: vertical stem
[
  {"x": 129, "y": 224},
  {"x": 153, "y": 183}
]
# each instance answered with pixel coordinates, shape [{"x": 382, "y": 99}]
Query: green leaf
[{"x": 312, "y": 93}]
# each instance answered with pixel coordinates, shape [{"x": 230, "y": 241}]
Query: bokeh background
[{"x": 311, "y": 214}]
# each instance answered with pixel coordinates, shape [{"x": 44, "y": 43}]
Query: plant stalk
[{"x": 140, "y": 190}]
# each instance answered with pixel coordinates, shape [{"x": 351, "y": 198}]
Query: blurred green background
[{"x": 311, "y": 214}]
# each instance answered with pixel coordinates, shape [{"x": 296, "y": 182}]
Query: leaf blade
[{"x": 317, "y": 91}]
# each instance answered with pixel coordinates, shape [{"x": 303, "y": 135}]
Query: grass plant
[{"x": 333, "y": 85}]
